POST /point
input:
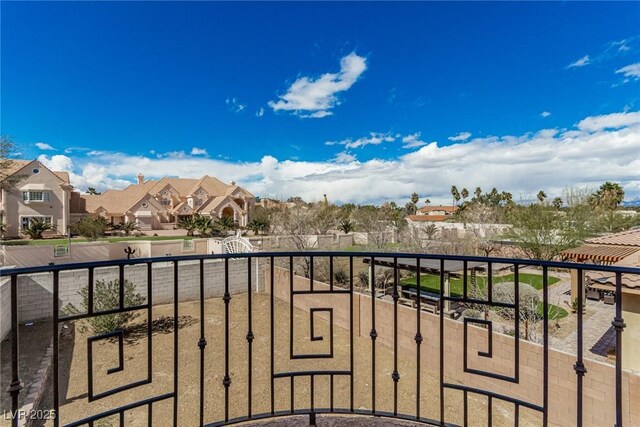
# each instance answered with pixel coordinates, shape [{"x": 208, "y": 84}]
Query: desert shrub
[
  {"x": 528, "y": 300},
  {"x": 472, "y": 314},
  {"x": 341, "y": 276},
  {"x": 106, "y": 296},
  {"x": 91, "y": 229}
]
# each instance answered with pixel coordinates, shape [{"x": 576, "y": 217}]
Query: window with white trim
[
  {"x": 26, "y": 221},
  {"x": 36, "y": 196}
]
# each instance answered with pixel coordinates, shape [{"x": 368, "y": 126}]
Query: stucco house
[
  {"x": 160, "y": 204},
  {"x": 40, "y": 193}
]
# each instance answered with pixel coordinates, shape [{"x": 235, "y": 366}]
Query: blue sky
[{"x": 363, "y": 101}]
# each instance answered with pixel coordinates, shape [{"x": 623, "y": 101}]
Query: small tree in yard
[
  {"x": 36, "y": 227},
  {"x": 106, "y": 296},
  {"x": 91, "y": 229},
  {"x": 528, "y": 304}
]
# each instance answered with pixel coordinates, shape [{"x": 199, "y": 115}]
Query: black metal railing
[{"x": 279, "y": 272}]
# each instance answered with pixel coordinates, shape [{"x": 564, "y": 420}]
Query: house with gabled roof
[
  {"x": 161, "y": 204},
  {"x": 38, "y": 193}
]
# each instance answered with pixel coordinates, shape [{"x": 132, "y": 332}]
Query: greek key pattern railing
[{"x": 323, "y": 325}]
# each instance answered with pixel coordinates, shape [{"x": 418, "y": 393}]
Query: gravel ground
[{"x": 73, "y": 372}]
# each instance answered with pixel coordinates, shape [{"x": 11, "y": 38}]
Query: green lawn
[
  {"x": 555, "y": 312},
  {"x": 24, "y": 242},
  {"x": 431, "y": 282}
]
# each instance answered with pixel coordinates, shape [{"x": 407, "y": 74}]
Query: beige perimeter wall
[{"x": 599, "y": 382}]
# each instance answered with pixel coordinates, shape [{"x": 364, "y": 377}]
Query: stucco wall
[{"x": 599, "y": 382}]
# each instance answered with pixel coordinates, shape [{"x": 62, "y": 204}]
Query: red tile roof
[
  {"x": 428, "y": 218},
  {"x": 449, "y": 209},
  {"x": 624, "y": 238}
]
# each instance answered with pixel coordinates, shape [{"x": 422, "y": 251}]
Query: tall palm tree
[
  {"x": 415, "y": 198},
  {"x": 427, "y": 201},
  {"x": 609, "y": 195},
  {"x": 557, "y": 202},
  {"x": 464, "y": 193},
  {"x": 541, "y": 196},
  {"x": 478, "y": 192},
  {"x": 455, "y": 195}
]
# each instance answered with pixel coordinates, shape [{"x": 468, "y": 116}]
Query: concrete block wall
[
  {"x": 599, "y": 382},
  {"x": 35, "y": 291}
]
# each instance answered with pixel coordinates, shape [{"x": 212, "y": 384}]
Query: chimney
[{"x": 140, "y": 178}]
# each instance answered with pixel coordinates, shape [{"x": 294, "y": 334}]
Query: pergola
[{"x": 432, "y": 266}]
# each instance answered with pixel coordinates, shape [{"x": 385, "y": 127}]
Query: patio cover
[{"x": 608, "y": 254}]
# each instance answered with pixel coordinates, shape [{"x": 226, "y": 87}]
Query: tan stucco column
[
  {"x": 574, "y": 285},
  {"x": 631, "y": 332}
]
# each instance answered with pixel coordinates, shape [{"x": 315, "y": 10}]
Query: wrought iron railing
[{"x": 281, "y": 284}]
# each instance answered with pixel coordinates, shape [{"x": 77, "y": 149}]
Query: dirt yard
[{"x": 73, "y": 370}]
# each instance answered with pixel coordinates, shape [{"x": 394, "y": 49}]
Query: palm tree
[
  {"x": 346, "y": 226},
  {"x": 227, "y": 223},
  {"x": 454, "y": 194},
  {"x": 188, "y": 223},
  {"x": 127, "y": 227},
  {"x": 414, "y": 198},
  {"x": 427, "y": 201},
  {"x": 507, "y": 198},
  {"x": 36, "y": 227},
  {"x": 609, "y": 195},
  {"x": 541, "y": 196},
  {"x": 204, "y": 225},
  {"x": 557, "y": 202},
  {"x": 478, "y": 192},
  {"x": 92, "y": 191},
  {"x": 464, "y": 193},
  {"x": 257, "y": 226}
]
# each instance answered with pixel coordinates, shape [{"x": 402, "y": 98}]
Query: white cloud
[
  {"x": 313, "y": 98},
  {"x": 462, "y": 136},
  {"x": 631, "y": 71},
  {"x": 260, "y": 112},
  {"x": 44, "y": 146},
  {"x": 374, "y": 138},
  {"x": 195, "y": 151},
  {"x": 413, "y": 141},
  {"x": 598, "y": 149},
  {"x": 234, "y": 105},
  {"x": 580, "y": 62},
  {"x": 545, "y": 114},
  {"x": 609, "y": 121},
  {"x": 345, "y": 157}
]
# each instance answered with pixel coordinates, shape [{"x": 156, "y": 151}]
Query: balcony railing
[{"x": 308, "y": 333}]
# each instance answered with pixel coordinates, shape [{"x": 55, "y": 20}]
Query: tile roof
[
  {"x": 450, "y": 209},
  {"x": 120, "y": 201},
  {"x": 428, "y": 218},
  {"x": 624, "y": 238},
  {"x": 17, "y": 164}
]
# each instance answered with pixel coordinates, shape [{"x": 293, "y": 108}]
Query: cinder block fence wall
[{"x": 35, "y": 291}]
